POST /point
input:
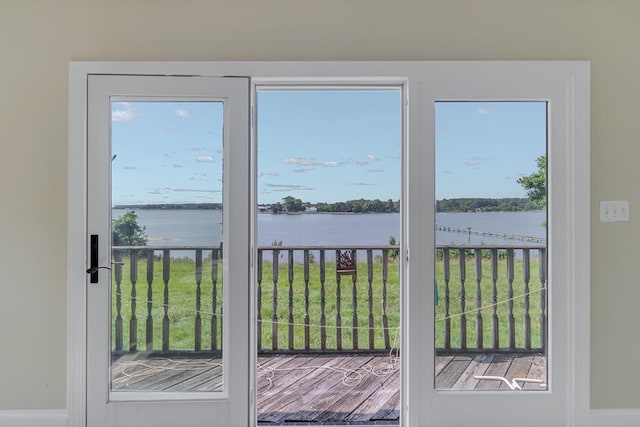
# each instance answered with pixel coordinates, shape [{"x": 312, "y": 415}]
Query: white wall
[{"x": 39, "y": 38}]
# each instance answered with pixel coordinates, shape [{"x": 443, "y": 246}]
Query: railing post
[
  {"x": 479, "y": 322},
  {"x": 338, "y": 315},
  {"x": 198, "y": 319},
  {"x": 307, "y": 337},
  {"x": 166, "y": 273},
  {"x": 495, "y": 321},
  {"x": 215, "y": 257},
  {"x": 385, "y": 318},
  {"x": 149, "y": 321},
  {"x": 526, "y": 264},
  {"x": 463, "y": 298},
  {"x": 290, "y": 320},
  {"x": 133, "y": 322},
  {"x": 117, "y": 257},
  {"x": 274, "y": 315},
  {"x": 354, "y": 302},
  {"x": 510, "y": 277},
  {"x": 323, "y": 302},
  {"x": 542, "y": 267}
]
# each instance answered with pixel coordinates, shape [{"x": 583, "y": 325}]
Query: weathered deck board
[
  {"x": 325, "y": 388},
  {"x": 453, "y": 370},
  {"x": 498, "y": 367},
  {"x": 380, "y": 405},
  {"x": 519, "y": 368},
  {"x": 294, "y": 380},
  {"x": 478, "y": 366},
  {"x": 317, "y": 391},
  {"x": 538, "y": 370}
]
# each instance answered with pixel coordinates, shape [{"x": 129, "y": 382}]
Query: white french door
[
  {"x": 136, "y": 374},
  {"x": 181, "y": 142},
  {"x": 549, "y": 400}
]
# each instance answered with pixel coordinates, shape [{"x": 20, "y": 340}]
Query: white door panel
[{"x": 135, "y": 360}]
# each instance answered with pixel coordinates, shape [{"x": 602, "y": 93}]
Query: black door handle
[{"x": 93, "y": 259}]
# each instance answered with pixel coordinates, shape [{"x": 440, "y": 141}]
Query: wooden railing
[
  {"x": 330, "y": 312},
  {"x": 321, "y": 298},
  {"x": 500, "y": 296},
  {"x": 157, "y": 301}
]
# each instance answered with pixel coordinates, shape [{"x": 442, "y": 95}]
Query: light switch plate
[{"x": 614, "y": 210}]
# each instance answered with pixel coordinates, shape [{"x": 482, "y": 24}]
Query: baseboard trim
[
  {"x": 34, "y": 418},
  {"x": 615, "y": 417},
  {"x": 58, "y": 418}
]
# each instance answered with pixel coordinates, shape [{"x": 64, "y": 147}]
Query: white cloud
[
  {"x": 372, "y": 158},
  {"x": 361, "y": 162},
  {"x": 360, "y": 184},
  {"x": 205, "y": 159},
  {"x": 472, "y": 164},
  {"x": 332, "y": 164},
  {"x": 177, "y": 165},
  {"x": 482, "y": 111},
  {"x": 129, "y": 168},
  {"x": 273, "y": 174},
  {"x": 303, "y": 161},
  {"x": 375, "y": 170},
  {"x": 194, "y": 190},
  {"x": 447, "y": 172},
  {"x": 182, "y": 113},
  {"x": 303, "y": 170},
  {"x": 125, "y": 113},
  {"x": 288, "y": 187}
]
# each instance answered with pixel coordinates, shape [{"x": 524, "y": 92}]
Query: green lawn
[{"x": 182, "y": 304}]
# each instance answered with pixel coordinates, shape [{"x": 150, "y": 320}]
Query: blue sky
[
  {"x": 482, "y": 148},
  {"x": 321, "y": 146}
]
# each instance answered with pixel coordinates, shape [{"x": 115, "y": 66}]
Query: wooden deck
[{"x": 324, "y": 389}]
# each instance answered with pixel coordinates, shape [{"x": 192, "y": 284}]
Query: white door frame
[{"x": 420, "y": 76}]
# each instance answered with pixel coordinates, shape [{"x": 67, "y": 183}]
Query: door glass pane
[
  {"x": 328, "y": 230},
  {"x": 167, "y": 275},
  {"x": 491, "y": 246}
]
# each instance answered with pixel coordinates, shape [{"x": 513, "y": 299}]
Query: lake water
[{"x": 203, "y": 227}]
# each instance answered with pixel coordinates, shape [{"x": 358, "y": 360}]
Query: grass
[{"x": 181, "y": 311}]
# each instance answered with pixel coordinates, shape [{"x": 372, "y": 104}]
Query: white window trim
[{"x": 578, "y": 175}]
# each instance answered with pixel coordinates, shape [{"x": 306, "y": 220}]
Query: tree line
[
  {"x": 486, "y": 205},
  {"x": 291, "y": 204}
]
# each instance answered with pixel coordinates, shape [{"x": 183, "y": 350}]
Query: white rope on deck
[{"x": 514, "y": 383}]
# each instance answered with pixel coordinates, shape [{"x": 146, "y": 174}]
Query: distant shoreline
[
  {"x": 173, "y": 206},
  {"x": 459, "y": 205}
]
